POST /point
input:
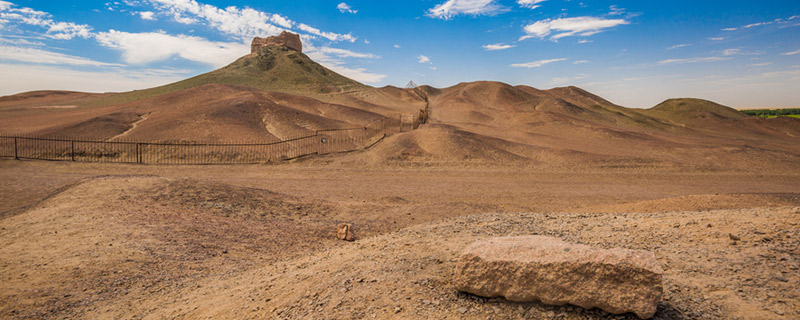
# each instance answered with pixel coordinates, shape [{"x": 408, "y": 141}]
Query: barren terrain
[
  {"x": 714, "y": 193},
  {"x": 127, "y": 241}
]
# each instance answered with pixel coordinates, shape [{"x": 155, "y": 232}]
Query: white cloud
[
  {"x": 358, "y": 74},
  {"x": 21, "y": 78},
  {"x": 694, "y": 60},
  {"x": 530, "y": 4},
  {"x": 716, "y": 38},
  {"x": 731, "y": 52},
  {"x": 244, "y": 23},
  {"x": 678, "y": 46},
  {"x": 791, "y": 53},
  {"x": 582, "y": 41},
  {"x": 147, "y": 15},
  {"x": 757, "y": 24},
  {"x": 343, "y": 7},
  {"x": 325, "y": 57},
  {"x": 397, "y": 46},
  {"x": 31, "y": 55},
  {"x": 763, "y": 64},
  {"x": 615, "y": 10},
  {"x": 583, "y": 26},
  {"x": 536, "y": 64},
  {"x": 328, "y": 35},
  {"x": 730, "y": 29},
  {"x": 343, "y": 53},
  {"x": 580, "y": 61},
  {"x": 9, "y": 13},
  {"x": 142, "y": 48},
  {"x": 452, "y": 8},
  {"x": 423, "y": 59},
  {"x": 497, "y": 46}
]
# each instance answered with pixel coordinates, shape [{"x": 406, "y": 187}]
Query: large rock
[
  {"x": 546, "y": 269},
  {"x": 285, "y": 39}
]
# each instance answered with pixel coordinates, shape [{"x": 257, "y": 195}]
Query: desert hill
[{"x": 277, "y": 92}]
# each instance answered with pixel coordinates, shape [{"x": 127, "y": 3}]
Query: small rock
[
  {"x": 734, "y": 237},
  {"x": 461, "y": 310},
  {"x": 397, "y": 309},
  {"x": 344, "y": 231}
]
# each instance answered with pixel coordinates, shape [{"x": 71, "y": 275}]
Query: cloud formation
[
  {"x": 243, "y": 23},
  {"x": 32, "y": 55},
  {"x": 143, "y": 48},
  {"x": 423, "y": 59},
  {"x": 694, "y": 60},
  {"x": 10, "y": 13},
  {"x": 530, "y": 4},
  {"x": 565, "y": 27},
  {"x": 345, "y": 8},
  {"x": 452, "y": 8},
  {"x": 497, "y": 46},
  {"x": 536, "y": 64},
  {"x": 678, "y": 46},
  {"x": 331, "y": 58},
  {"x": 147, "y": 15},
  {"x": 791, "y": 53}
]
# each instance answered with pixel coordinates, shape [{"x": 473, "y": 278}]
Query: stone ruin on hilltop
[{"x": 285, "y": 39}]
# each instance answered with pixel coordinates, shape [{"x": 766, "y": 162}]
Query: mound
[
  {"x": 234, "y": 113},
  {"x": 446, "y": 143},
  {"x": 687, "y": 108},
  {"x": 118, "y": 238},
  {"x": 205, "y": 113}
]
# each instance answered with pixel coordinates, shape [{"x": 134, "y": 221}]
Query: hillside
[
  {"x": 277, "y": 92},
  {"x": 271, "y": 68}
]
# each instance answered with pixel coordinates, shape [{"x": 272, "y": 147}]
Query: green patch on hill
[{"x": 773, "y": 113}]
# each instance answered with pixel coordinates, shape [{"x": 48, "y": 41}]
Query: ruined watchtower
[{"x": 285, "y": 39}]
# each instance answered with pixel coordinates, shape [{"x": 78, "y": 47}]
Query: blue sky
[{"x": 634, "y": 53}]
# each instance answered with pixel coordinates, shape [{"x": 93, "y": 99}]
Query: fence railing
[{"x": 148, "y": 152}]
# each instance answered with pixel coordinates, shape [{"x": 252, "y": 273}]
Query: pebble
[{"x": 462, "y": 310}]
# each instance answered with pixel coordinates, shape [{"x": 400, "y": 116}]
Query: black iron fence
[{"x": 320, "y": 142}]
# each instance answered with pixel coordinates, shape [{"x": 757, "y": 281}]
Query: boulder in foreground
[{"x": 547, "y": 269}]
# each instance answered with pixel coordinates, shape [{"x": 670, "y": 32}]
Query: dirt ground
[{"x": 82, "y": 240}]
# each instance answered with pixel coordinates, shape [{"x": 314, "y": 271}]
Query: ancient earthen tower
[{"x": 286, "y": 39}]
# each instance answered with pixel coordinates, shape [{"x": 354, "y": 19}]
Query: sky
[{"x": 634, "y": 53}]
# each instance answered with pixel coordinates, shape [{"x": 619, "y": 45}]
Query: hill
[
  {"x": 275, "y": 68},
  {"x": 276, "y": 92}
]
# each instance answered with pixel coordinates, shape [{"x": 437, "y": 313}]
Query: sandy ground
[{"x": 128, "y": 241}]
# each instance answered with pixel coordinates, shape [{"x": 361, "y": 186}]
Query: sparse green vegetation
[{"x": 773, "y": 113}]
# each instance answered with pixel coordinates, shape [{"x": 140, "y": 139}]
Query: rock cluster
[
  {"x": 285, "y": 39},
  {"x": 547, "y": 269}
]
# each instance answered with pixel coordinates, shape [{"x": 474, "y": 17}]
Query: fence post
[
  {"x": 72, "y": 150},
  {"x": 16, "y": 154},
  {"x": 138, "y": 153}
]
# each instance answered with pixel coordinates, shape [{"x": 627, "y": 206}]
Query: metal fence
[{"x": 320, "y": 142}]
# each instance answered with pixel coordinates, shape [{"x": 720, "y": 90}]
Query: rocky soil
[{"x": 163, "y": 242}]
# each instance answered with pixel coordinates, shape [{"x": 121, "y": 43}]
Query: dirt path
[{"x": 133, "y": 126}]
